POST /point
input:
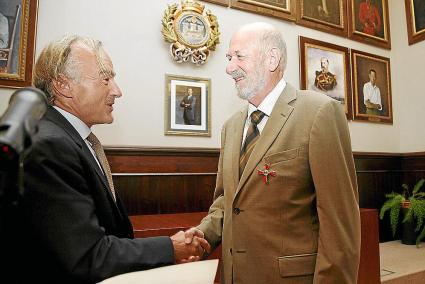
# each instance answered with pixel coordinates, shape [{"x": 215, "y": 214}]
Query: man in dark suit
[
  {"x": 285, "y": 205},
  {"x": 76, "y": 225},
  {"x": 188, "y": 105}
]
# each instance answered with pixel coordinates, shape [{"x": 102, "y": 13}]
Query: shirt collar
[
  {"x": 269, "y": 101},
  {"x": 77, "y": 123}
]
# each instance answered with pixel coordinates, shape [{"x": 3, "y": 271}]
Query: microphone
[{"x": 19, "y": 123}]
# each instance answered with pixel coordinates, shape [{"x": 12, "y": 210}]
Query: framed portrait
[
  {"x": 282, "y": 9},
  {"x": 325, "y": 15},
  {"x": 187, "y": 105},
  {"x": 325, "y": 68},
  {"x": 415, "y": 16},
  {"x": 17, "y": 40},
  {"x": 219, "y": 2},
  {"x": 369, "y": 23},
  {"x": 372, "y": 88}
]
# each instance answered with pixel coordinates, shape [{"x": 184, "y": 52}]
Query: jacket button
[
  {"x": 236, "y": 211},
  {"x": 230, "y": 250}
]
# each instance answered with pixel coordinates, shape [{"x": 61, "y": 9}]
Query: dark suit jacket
[
  {"x": 189, "y": 112},
  {"x": 75, "y": 232}
]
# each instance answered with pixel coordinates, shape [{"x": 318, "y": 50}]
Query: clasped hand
[{"x": 189, "y": 246}]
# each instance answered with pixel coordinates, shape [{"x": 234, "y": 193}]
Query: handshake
[{"x": 189, "y": 246}]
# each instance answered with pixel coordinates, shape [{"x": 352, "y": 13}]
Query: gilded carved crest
[{"x": 192, "y": 32}]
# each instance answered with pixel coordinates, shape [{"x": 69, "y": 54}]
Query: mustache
[
  {"x": 237, "y": 74},
  {"x": 110, "y": 101}
]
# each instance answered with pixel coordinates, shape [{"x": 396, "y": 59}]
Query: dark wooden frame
[
  {"x": 28, "y": 24},
  {"x": 321, "y": 24},
  {"x": 356, "y": 97},
  {"x": 414, "y": 36},
  {"x": 218, "y": 2},
  {"x": 306, "y": 43},
  {"x": 264, "y": 9},
  {"x": 384, "y": 42}
]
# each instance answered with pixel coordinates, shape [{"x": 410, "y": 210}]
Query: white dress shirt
[
  {"x": 266, "y": 107},
  {"x": 372, "y": 94}
]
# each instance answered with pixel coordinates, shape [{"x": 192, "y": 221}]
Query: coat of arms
[{"x": 192, "y": 32}]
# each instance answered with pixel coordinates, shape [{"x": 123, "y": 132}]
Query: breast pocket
[{"x": 283, "y": 156}]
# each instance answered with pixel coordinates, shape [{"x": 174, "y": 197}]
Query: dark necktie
[
  {"x": 100, "y": 154},
  {"x": 252, "y": 135}
]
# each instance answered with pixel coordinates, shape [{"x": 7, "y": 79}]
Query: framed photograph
[
  {"x": 18, "y": 20},
  {"x": 219, "y": 2},
  {"x": 415, "y": 16},
  {"x": 372, "y": 87},
  {"x": 282, "y": 9},
  {"x": 325, "y": 68},
  {"x": 325, "y": 15},
  {"x": 187, "y": 106},
  {"x": 369, "y": 23}
]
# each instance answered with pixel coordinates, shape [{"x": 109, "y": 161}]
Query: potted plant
[{"x": 412, "y": 205}]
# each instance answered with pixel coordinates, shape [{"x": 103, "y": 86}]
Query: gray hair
[
  {"x": 272, "y": 38},
  {"x": 55, "y": 60}
]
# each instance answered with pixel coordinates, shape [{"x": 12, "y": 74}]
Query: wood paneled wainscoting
[
  {"x": 181, "y": 180},
  {"x": 164, "y": 181}
]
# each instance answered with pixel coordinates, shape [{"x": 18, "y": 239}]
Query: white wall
[
  {"x": 131, "y": 32},
  {"x": 408, "y": 68}
]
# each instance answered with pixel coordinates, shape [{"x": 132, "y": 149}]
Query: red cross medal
[{"x": 266, "y": 173}]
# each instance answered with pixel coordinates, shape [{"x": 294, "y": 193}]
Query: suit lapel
[
  {"x": 280, "y": 114},
  {"x": 54, "y": 116},
  {"x": 236, "y": 131}
]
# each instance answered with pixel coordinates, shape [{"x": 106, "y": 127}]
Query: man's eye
[
  {"x": 106, "y": 81},
  {"x": 229, "y": 57}
]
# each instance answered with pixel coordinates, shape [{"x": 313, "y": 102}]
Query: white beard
[{"x": 253, "y": 85}]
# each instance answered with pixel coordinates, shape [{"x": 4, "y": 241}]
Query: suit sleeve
[
  {"x": 59, "y": 205},
  {"x": 334, "y": 177},
  {"x": 212, "y": 224}
]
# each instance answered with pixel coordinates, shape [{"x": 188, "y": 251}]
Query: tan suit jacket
[{"x": 302, "y": 227}]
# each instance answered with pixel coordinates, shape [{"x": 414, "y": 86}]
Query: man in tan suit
[{"x": 288, "y": 213}]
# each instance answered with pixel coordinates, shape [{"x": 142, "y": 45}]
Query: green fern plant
[{"x": 414, "y": 201}]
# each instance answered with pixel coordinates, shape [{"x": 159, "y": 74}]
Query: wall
[
  {"x": 408, "y": 82},
  {"x": 131, "y": 32}
]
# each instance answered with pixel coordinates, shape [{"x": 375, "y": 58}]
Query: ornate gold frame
[
  {"x": 192, "y": 32},
  {"x": 23, "y": 43},
  {"x": 175, "y": 87}
]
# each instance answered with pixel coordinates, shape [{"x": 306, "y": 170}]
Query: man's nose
[
  {"x": 231, "y": 66},
  {"x": 115, "y": 89}
]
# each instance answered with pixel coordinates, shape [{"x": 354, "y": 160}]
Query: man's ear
[
  {"x": 274, "y": 59},
  {"x": 62, "y": 86}
]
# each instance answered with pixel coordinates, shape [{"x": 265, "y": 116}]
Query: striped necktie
[
  {"x": 252, "y": 135},
  {"x": 101, "y": 157}
]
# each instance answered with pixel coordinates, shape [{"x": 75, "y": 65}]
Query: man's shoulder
[
  {"x": 367, "y": 84},
  {"x": 312, "y": 97},
  {"x": 235, "y": 116},
  {"x": 52, "y": 143},
  {"x": 51, "y": 136},
  {"x": 48, "y": 128}
]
